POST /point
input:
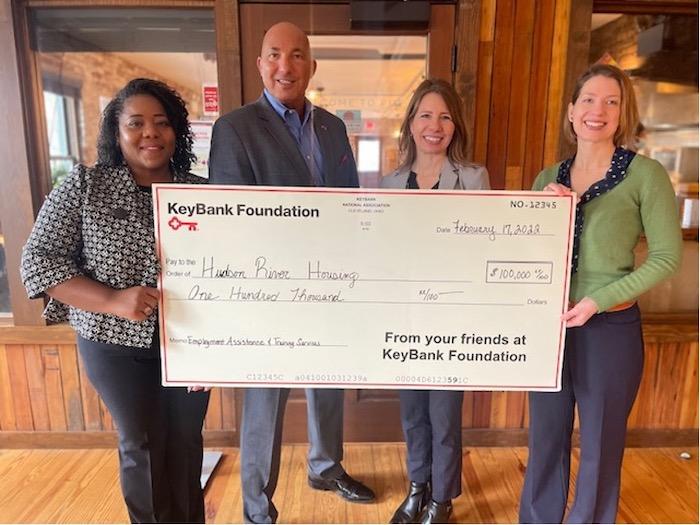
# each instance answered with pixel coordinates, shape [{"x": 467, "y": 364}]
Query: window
[
  {"x": 61, "y": 106},
  {"x": 5, "y": 308},
  {"x": 86, "y": 55},
  {"x": 390, "y": 68},
  {"x": 660, "y": 53},
  {"x": 368, "y": 155}
]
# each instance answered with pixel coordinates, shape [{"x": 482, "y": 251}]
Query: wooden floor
[{"x": 81, "y": 486}]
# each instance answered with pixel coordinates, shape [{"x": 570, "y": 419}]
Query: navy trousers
[
  {"x": 602, "y": 370},
  {"x": 432, "y": 427},
  {"x": 160, "y": 432},
  {"x": 261, "y": 444}
]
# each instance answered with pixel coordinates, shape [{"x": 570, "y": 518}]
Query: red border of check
[{"x": 362, "y": 191}]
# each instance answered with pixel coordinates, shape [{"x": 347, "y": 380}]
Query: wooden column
[
  {"x": 467, "y": 42},
  {"x": 16, "y": 203},
  {"x": 228, "y": 55},
  {"x": 557, "y": 79},
  {"x": 577, "y": 59},
  {"x": 226, "y": 404},
  {"x": 513, "y": 79}
]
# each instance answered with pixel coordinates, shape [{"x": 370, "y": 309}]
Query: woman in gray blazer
[{"x": 433, "y": 148}]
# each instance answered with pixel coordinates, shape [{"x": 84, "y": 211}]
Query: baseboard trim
[
  {"x": 473, "y": 437},
  {"x": 108, "y": 439},
  {"x": 636, "y": 437}
]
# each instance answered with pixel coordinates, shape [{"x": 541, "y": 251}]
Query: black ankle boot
[
  {"x": 417, "y": 498},
  {"x": 435, "y": 512}
]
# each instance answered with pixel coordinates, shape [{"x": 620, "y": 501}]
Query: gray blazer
[
  {"x": 252, "y": 145},
  {"x": 452, "y": 177}
]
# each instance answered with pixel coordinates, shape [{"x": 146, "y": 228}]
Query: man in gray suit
[{"x": 283, "y": 140}]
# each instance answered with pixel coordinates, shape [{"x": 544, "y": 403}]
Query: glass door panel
[{"x": 367, "y": 81}]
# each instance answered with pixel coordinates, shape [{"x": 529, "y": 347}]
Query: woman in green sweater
[{"x": 622, "y": 195}]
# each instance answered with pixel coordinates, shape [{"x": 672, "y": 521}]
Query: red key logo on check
[{"x": 176, "y": 224}]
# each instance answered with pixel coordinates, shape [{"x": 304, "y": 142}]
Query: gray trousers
[
  {"x": 261, "y": 443},
  {"x": 160, "y": 432},
  {"x": 602, "y": 370},
  {"x": 432, "y": 426}
]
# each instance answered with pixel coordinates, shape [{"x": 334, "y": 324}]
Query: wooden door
[{"x": 370, "y": 415}]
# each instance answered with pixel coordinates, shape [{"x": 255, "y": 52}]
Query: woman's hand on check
[
  {"x": 136, "y": 303},
  {"x": 198, "y": 388},
  {"x": 580, "y": 313},
  {"x": 559, "y": 189}
]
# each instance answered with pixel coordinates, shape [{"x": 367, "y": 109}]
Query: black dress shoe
[
  {"x": 345, "y": 487},
  {"x": 417, "y": 498},
  {"x": 436, "y": 512}
]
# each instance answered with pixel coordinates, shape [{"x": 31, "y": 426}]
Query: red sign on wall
[{"x": 210, "y": 96}]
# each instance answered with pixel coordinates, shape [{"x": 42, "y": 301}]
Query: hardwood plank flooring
[{"x": 82, "y": 486}]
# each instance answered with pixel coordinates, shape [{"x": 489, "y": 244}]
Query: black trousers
[
  {"x": 160, "y": 432},
  {"x": 432, "y": 426},
  {"x": 601, "y": 373}
]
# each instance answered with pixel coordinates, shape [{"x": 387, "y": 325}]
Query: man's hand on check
[{"x": 580, "y": 313}]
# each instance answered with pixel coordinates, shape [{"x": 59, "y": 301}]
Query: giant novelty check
[{"x": 267, "y": 286}]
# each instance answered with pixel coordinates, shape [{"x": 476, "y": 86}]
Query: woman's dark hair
[{"x": 108, "y": 151}]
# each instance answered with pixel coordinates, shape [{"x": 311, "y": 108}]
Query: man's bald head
[
  {"x": 288, "y": 32},
  {"x": 285, "y": 64}
]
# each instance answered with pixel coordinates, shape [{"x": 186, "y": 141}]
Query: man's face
[{"x": 285, "y": 64}]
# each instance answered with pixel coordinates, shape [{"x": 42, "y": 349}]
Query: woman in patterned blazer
[{"x": 92, "y": 252}]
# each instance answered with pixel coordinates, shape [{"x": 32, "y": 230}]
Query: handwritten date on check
[{"x": 312, "y": 287}]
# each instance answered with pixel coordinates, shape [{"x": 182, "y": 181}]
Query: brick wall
[{"x": 619, "y": 39}]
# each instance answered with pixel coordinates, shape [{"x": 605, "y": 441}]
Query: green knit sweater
[{"x": 643, "y": 203}]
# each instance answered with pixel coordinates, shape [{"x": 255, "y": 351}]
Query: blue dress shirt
[{"x": 302, "y": 130}]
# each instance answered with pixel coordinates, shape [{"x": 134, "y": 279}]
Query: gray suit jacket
[
  {"x": 452, "y": 177},
  {"x": 252, "y": 145}
]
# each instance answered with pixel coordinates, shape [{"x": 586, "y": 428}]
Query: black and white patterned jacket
[{"x": 97, "y": 223}]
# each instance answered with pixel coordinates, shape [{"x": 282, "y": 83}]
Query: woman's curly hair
[{"x": 108, "y": 151}]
